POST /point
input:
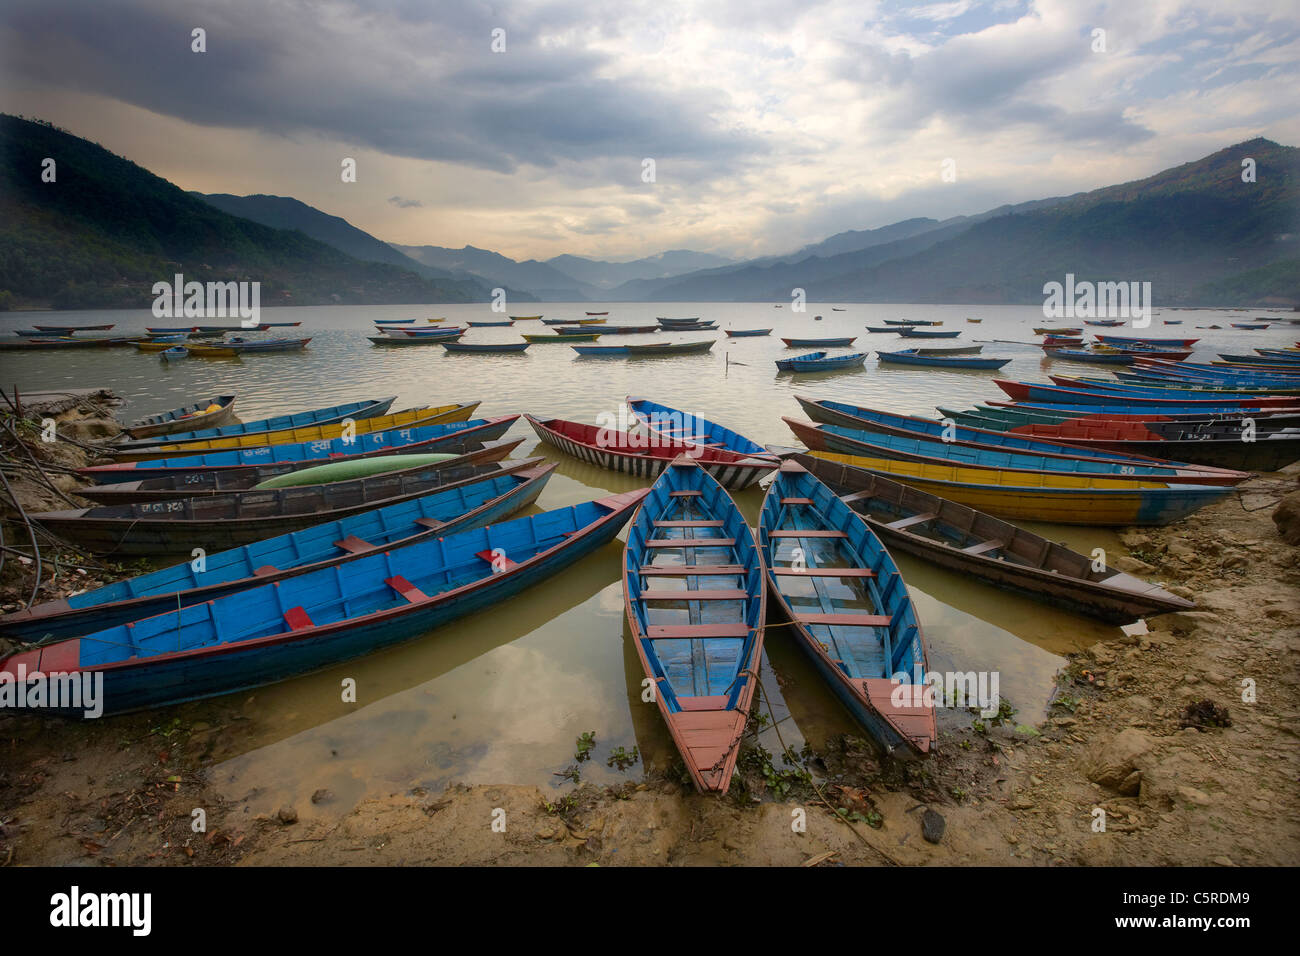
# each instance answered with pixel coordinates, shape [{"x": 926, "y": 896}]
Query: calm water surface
[{"x": 500, "y": 697}]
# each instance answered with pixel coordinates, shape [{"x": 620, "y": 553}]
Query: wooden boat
[
  {"x": 1221, "y": 444},
  {"x": 170, "y": 329},
  {"x": 414, "y": 339},
  {"x": 160, "y": 344},
  {"x": 621, "y": 329},
  {"x": 696, "y": 600},
  {"x": 910, "y": 357},
  {"x": 928, "y": 334},
  {"x": 946, "y": 350},
  {"x": 472, "y": 503},
  {"x": 1054, "y": 342},
  {"x": 864, "y": 420},
  {"x": 746, "y": 333},
  {"x": 218, "y": 522},
  {"x": 881, "y": 329},
  {"x": 1054, "y": 394},
  {"x": 1005, "y": 415},
  {"x": 687, "y": 320},
  {"x": 526, "y": 318},
  {"x": 265, "y": 634},
  {"x": 601, "y": 351},
  {"x": 598, "y": 313},
  {"x": 1136, "y": 340},
  {"x": 69, "y": 329},
  {"x": 908, "y": 322},
  {"x": 646, "y": 455},
  {"x": 977, "y": 545},
  {"x": 441, "y": 331},
  {"x": 198, "y": 472},
  {"x": 1250, "y": 325},
  {"x": 485, "y": 325},
  {"x": 232, "y": 328},
  {"x": 850, "y": 608},
  {"x": 1275, "y": 361},
  {"x": 409, "y": 418},
  {"x": 691, "y": 429},
  {"x": 1061, "y": 499},
  {"x": 820, "y": 362},
  {"x": 1105, "y": 323},
  {"x": 174, "y": 353},
  {"x": 36, "y": 345},
  {"x": 1091, "y": 356},
  {"x": 975, "y": 320},
  {"x": 1066, "y": 330},
  {"x": 281, "y": 325},
  {"x": 999, "y": 463},
  {"x": 485, "y": 346},
  {"x": 317, "y": 416},
  {"x": 670, "y": 348},
  {"x": 546, "y": 339},
  {"x": 573, "y": 321},
  {"x": 208, "y": 414},
  {"x": 701, "y": 327},
  {"x": 836, "y": 309},
  {"x": 815, "y": 343},
  {"x": 237, "y": 347},
  {"x": 1168, "y": 389}
]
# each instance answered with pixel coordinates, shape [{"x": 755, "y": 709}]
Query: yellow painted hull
[
  {"x": 1061, "y": 499},
  {"x": 411, "y": 418},
  {"x": 157, "y": 346}
]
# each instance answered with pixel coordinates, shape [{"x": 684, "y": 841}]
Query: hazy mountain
[
  {"x": 496, "y": 270},
  {"x": 1188, "y": 230},
  {"x": 105, "y": 230},
  {"x": 606, "y": 275}
]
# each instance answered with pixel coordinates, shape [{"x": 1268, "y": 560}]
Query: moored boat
[
  {"x": 910, "y": 357},
  {"x": 821, "y": 362},
  {"x": 266, "y": 634},
  {"x": 695, "y": 598},
  {"x": 849, "y": 607},
  {"x": 691, "y": 429},
  {"x": 646, "y": 455},
  {"x": 485, "y": 346},
  {"x": 209, "y": 414},
  {"x": 842, "y": 342},
  {"x": 746, "y": 333}
]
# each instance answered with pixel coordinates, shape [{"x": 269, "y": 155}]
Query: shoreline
[{"x": 997, "y": 793}]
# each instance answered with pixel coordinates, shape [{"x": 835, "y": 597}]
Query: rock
[
  {"x": 1184, "y": 622},
  {"x": 932, "y": 826},
  {"x": 1132, "y": 565},
  {"x": 1161, "y": 781},
  {"x": 322, "y": 796},
  {"x": 1287, "y": 518},
  {"x": 1198, "y": 797},
  {"x": 287, "y": 815},
  {"x": 1186, "y": 593},
  {"x": 84, "y": 429},
  {"x": 1223, "y": 861},
  {"x": 1131, "y": 784},
  {"x": 1101, "y": 653},
  {"x": 1184, "y": 552},
  {"x": 1110, "y": 763},
  {"x": 1137, "y": 540}
]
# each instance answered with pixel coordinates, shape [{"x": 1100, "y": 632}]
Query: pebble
[
  {"x": 287, "y": 815},
  {"x": 933, "y": 826}
]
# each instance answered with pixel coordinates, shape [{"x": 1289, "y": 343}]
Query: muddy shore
[{"x": 1183, "y": 740}]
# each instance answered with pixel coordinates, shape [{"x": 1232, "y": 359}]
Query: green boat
[{"x": 347, "y": 470}]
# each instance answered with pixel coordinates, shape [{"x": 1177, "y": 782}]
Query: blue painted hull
[
  {"x": 939, "y": 361},
  {"x": 683, "y": 426},
  {"x": 817, "y": 362},
  {"x": 319, "y": 416},
  {"x": 235, "y": 666}
]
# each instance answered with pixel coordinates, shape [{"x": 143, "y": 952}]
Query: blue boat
[
  {"x": 329, "y": 415},
  {"x": 174, "y": 353},
  {"x": 1137, "y": 411},
  {"x": 911, "y": 357},
  {"x": 449, "y": 436},
  {"x": 683, "y": 426},
  {"x": 850, "y": 608},
  {"x": 1013, "y": 464},
  {"x": 1273, "y": 358},
  {"x": 857, "y": 418},
  {"x": 908, "y": 332},
  {"x": 844, "y": 342},
  {"x": 746, "y": 333},
  {"x": 819, "y": 362},
  {"x": 695, "y": 598},
  {"x": 487, "y": 325},
  {"x": 1093, "y": 358},
  {"x": 266, "y": 634},
  {"x": 480, "y": 501},
  {"x": 393, "y": 321},
  {"x": 601, "y": 350},
  {"x": 485, "y": 346},
  {"x": 1038, "y": 392}
]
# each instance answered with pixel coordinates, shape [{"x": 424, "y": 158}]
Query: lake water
[{"x": 500, "y": 697}]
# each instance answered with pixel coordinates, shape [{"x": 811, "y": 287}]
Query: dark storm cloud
[{"x": 408, "y": 79}]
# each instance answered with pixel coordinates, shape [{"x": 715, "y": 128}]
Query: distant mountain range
[{"x": 106, "y": 229}]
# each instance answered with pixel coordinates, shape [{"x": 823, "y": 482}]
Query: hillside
[
  {"x": 494, "y": 269},
  {"x": 107, "y": 229}
]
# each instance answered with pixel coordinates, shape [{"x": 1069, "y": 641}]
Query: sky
[{"x": 769, "y": 124}]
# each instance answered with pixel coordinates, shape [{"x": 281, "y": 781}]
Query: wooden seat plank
[
  {"x": 808, "y": 533},
  {"x": 846, "y": 620},
  {"x": 991, "y": 545},
  {"x": 405, "y": 588},
  {"x": 734, "y": 594},
  {"x": 689, "y": 524},
  {"x": 902, "y": 523},
  {"x": 354, "y": 545},
  {"x": 690, "y": 543},
  {"x": 676, "y": 631},
  {"x": 688, "y": 569},
  {"x": 826, "y": 572}
]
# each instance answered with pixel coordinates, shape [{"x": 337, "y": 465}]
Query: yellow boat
[
  {"x": 442, "y": 319},
  {"x": 156, "y": 346},
  {"x": 1056, "y": 498},
  {"x": 411, "y": 418}
]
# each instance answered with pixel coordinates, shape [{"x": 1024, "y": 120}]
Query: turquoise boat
[
  {"x": 266, "y": 634},
  {"x": 480, "y": 501},
  {"x": 820, "y": 362},
  {"x": 695, "y": 599},
  {"x": 850, "y": 609},
  {"x": 912, "y": 357}
]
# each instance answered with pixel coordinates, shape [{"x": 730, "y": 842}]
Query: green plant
[
  {"x": 584, "y": 745},
  {"x": 622, "y": 759}
]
